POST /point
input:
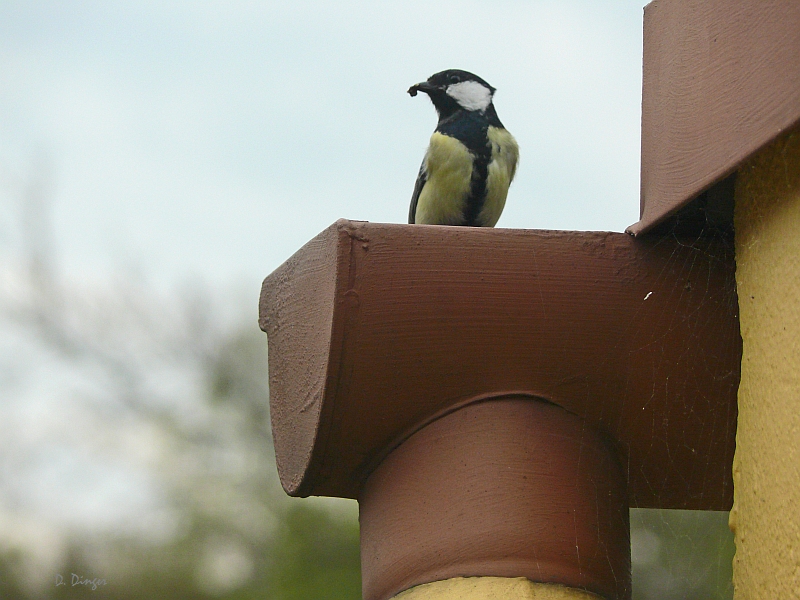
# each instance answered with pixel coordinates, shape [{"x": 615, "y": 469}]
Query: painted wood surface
[
  {"x": 721, "y": 79},
  {"x": 377, "y": 330}
]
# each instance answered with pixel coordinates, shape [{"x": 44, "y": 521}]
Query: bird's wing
[{"x": 421, "y": 179}]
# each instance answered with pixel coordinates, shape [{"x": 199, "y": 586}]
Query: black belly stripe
[
  {"x": 477, "y": 192},
  {"x": 471, "y": 129}
]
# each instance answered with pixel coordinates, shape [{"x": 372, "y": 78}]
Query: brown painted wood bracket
[
  {"x": 721, "y": 80},
  {"x": 376, "y": 331},
  {"x": 496, "y": 399}
]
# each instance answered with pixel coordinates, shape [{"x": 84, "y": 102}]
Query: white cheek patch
[{"x": 470, "y": 95}]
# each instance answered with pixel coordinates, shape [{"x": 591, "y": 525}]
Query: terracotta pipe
[{"x": 506, "y": 487}]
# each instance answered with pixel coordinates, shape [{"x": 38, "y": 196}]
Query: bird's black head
[{"x": 454, "y": 90}]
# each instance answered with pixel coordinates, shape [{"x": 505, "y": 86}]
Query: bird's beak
[{"x": 422, "y": 87}]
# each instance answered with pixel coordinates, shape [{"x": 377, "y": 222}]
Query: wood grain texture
[
  {"x": 297, "y": 314},
  {"x": 721, "y": 79},
  {"x": 376, "y": 330}
]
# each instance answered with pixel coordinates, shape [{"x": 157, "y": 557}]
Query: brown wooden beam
[
  {"x": 721, "y": 80},
  {"x": 376, "y": 331}
]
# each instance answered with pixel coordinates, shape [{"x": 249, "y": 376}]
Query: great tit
[{"x": 471, "y": 159}]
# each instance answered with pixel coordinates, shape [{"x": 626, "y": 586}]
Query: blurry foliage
[
  {"x": 319, "y": 557},
  {"x": 293, "y": 548},
  {"x": 161, "y": 384},
  {"x": 681, "y": 555},
  {"x": 313, "y": 554}
]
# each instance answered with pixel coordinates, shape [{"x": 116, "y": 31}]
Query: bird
[{"x": 471, "y": 159}]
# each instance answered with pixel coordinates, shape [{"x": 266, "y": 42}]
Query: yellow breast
[
  {"x": 448, "y": 165},
  {"x": 505, "y": 155}
]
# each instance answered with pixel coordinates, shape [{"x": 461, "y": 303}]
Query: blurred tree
[
  {"x": 165, "y": 385},
  {"x": 681, "y": 555},
  {"x": 315, "y": 556}
]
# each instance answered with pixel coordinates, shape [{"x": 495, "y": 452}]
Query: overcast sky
[
  {"x": 195, "y": 140},
  {"x": 213, "y": 139}
]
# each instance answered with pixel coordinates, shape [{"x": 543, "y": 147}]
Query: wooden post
[{"x": 496, "y": 398}]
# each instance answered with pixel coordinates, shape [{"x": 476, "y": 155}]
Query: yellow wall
[
  {"x": 766, "y": 470},
  {"x": 492, "y": 588}
]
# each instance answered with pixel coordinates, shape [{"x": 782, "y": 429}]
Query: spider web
[{"x": 687, "y": 554}]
